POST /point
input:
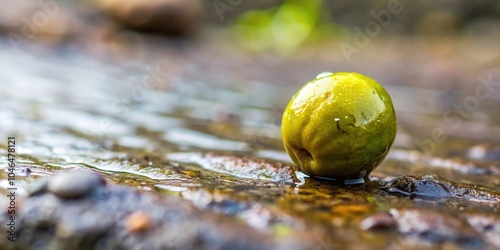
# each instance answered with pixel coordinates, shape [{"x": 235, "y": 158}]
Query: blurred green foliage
[{"x": 285, "y": 28}]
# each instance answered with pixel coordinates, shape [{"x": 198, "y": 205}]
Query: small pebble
[
  {"x": 434, "y": 225},
  {"x": 75, "y": 184},
  {"x": 25, "y": 172},
  {"x": 378, "y": 221},
  {"x": 484, "y": 152},
  {"x": 178, "y": 17},
  {"x": 138, "y": 221},
  {"x": 37, "y": 187}
]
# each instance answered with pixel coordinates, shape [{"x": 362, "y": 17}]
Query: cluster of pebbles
[{"x": 79, "y": 210}]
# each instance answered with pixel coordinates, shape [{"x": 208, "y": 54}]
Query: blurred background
[
  {"x": 346, "y": 34},
  {"x": 279, "y": 26}
]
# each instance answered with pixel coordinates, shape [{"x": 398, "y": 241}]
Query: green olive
[{"x": 339, "y": 126}]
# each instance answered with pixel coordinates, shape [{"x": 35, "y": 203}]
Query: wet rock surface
[
  {"x": 431, "y": 186},
  {"x": 435, "y": 226},
  {"x": 188, "y": 144},
  {"x": 117, "y": 217},
  {"x": 74, "y": 185}
]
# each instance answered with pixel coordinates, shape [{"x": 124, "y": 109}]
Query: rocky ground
[{"x": 179, "y": 143}]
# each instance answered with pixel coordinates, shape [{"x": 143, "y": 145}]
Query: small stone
[
  {"x": 25, "y": 171},
  {"x": 378, "y": 221},
  {"x": 434, "y": 187},
  {"x": 75, "y": 184},
  {"x": 138, "y": 221},
  {"x": 37, "y": 187},
  {"x": 434, "y": 226},
  {"x": 177, "y": 17}
]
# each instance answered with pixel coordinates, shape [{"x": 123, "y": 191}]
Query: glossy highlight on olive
[{"x": 339, "y": 126}]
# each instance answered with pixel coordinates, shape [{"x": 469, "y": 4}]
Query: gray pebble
[
  {"x": 37, "y": 187},
  {"x": 434, "y": 225},
  {"x": 74, "y": 184}
]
